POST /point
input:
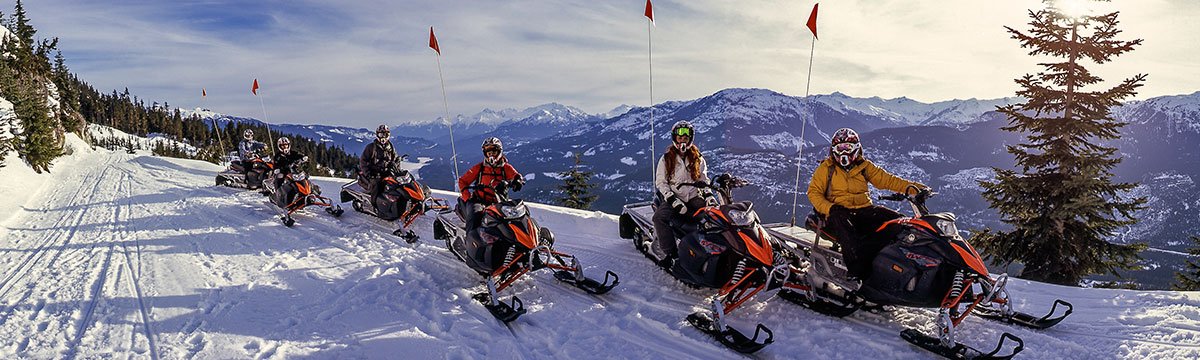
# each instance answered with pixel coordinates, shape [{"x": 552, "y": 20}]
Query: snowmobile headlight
[
  {"x": 298, "y": 176},
  {"x": 404, "y": 178},
  {"x": 948, "y": 228},
  {"x": 742, "y": 218},
  {"x": 514, "y": 212}
]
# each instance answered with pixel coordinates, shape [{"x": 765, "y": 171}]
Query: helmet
[
  {"x": 248, "y": 134},
  {"x": 285, "y": 144},
  {"x": 382, "y": 133},
  {"x": 845, "y": 148},
  {"x": 493, "y": 144},
  {"x": 683, "y": 128}
]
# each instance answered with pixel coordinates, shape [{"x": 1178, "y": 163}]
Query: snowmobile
[
  {"x": 402, "y": 197},
  {"x": 296, "y": 192},
  {"x": 927, "y": 264},
  {"x": 722, "y": 247},
  {"x": 504, "y": 246},
  {"x": 246, "y": 173}
]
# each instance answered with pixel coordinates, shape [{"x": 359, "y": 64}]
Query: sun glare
[{"x": 1075, "y": 8}]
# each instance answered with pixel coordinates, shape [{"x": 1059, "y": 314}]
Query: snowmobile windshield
[
  {"x": 298, "y": 176},
  {"x": 513, "y": 212},
  {"x": 742, "y": 218},
  {"x": 948, "y": 228},
  {"x": 403, "y": 177}
]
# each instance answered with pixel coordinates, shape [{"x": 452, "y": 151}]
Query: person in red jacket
[{"x": 492, "y": 172}]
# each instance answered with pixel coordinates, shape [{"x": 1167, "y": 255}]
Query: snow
[
  {"x": 969, "y": 178},
  {"x": 628, "y": 161},
  {"x": 132, "y": 256},
  {"x": 98, "y": 132}
]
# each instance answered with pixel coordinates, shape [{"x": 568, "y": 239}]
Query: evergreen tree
[
  {"x": 68, "y": 96},
  {"x": 1063, "y": 205},
  {"x": 576, "y": 187},
  {"x": 41, "y": 143},
  {"x": 1189, "y": 277}
]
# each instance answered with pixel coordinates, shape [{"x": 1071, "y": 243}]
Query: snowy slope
[{"x": 127, "y": 256}]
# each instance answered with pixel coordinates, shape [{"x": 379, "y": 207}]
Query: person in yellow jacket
[{"x": 838, "y": 191}]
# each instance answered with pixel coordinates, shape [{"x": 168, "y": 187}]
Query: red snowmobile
[{"x": 927, "y": 264}]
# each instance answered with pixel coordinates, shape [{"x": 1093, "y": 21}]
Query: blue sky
[{"x": 360, "y": 63}]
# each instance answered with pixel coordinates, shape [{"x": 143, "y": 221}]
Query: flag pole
[
  {"x": 449, "y": 123},
  {"x": 650, "y": 60},
  {"x": 216, "y": 127},
  {"x": 270, "y": 138},
  {"x": 812, "y": 24}
]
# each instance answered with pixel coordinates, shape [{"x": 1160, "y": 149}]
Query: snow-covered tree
[
  {"x": 1062, "y": 204},
  {"x": 576, "y": 187},
  {"x": 1189, "y": 278}
]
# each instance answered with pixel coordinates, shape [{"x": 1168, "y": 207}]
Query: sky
[{"x": 362, "y": 63}]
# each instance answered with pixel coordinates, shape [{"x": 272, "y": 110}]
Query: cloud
[{"x": 365, "y": 62}]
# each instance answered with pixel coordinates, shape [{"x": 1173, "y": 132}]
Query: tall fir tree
[
  {"x": 577, "y": 187},
  {"x": 40, "y": 143},
  {"x": 1063, "y": 205},
  {"x": 1189, "y": 278}
]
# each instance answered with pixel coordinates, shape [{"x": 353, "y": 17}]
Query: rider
[
  {"x": 838, "y": 190},
  {"x": 248, "y": 149},
  {"x": 494, "y": 170},
  {"x": 682, "y": 163},
  {"x": 284, "y": 159},
  {"x": 378, "y": 158}
]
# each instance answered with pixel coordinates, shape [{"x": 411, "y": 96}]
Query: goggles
[
  {"x": 683, "y": 132},
  {"x": 846, "y": 148}
]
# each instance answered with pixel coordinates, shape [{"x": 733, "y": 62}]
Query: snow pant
[
  {"x": 854, "y": 229},
  {"x": 665, "y": 244},
  {"x": 372, "y": 185},
  {"x": 471, "y": 212}
]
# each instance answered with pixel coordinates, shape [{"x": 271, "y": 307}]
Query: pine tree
[
  {"x": 1189, "y": 277},
  {"x": 68, "y": 96},
  {"x": 40, "y": 143},
  {"x": 576, "y": 187},
  {"x": 1063, "y": 205}
]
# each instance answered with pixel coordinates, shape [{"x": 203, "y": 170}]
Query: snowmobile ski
[
  {"x": 591, "y": 286},
  {"x": 960, "y": 351},
  {"x": 729, "y": 336},
  {"x": 819, "y": 305},
  {"x": 1023, "y": 319}
]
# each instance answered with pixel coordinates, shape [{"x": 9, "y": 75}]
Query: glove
[
  {"x": 518, "y": 184},
  {"x": 837, "y": 209},
  {"x": 710, "y": 200},
  {"x": 679, "y": 206}
]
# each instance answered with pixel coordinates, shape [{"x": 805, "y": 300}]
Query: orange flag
[
  {"x": 203, "y": 93},
  {"x": 812, "y": 21},
  {"x": 650, "y": 11},
  {"x": 254, "y": 89},
  {"x": 433, "y": 42}
]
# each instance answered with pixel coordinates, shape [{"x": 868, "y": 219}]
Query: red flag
[
  {"x": 203, "y": 93},
  {"x": 433, "y": 41},
  {"x": 812, "y": 21},
  {"x": 254, "y": 89},
  {"x": 650, "y": 11}
]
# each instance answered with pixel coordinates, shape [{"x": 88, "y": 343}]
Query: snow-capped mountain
[
  {"x": 905, "y": 111},
  {"x": 468, "y": 127}
]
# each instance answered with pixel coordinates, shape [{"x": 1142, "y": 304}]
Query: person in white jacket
[{"x": 681, "y": 164}]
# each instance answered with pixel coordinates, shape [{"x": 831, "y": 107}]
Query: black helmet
[
  {"x": 382, "y": 133},
  {"x": 285, "y": 144},
  {"x": 248, "y": 134},
  {"x": 493, "y": 144},
  {"x": 845, "y": 148},
  {"x": 682, "y": 128}
]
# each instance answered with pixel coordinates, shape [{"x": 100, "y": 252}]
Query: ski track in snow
[{"x": 124, "y": 256}]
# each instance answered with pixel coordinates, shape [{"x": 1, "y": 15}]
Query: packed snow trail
[{"x": 128, "y": 256}]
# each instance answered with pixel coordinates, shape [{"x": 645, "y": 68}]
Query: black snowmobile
[
  {"x": 245, "y": 173},
  {"x": 402, "y": 197},
  {"x": 504, "y": 246},
  {"x": 722, "y": 247},
  {"x": 926, "y": 265},
  {"x": 297, "y": 192}
]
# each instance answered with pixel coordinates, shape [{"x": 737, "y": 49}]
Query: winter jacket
[
  {"x": 666, "y": 185},
  {"x": 283, "y": 161},
  {"x": 249, "y": 149},
  {"x": 848, "y": 188},
  {"x": 377, "y": 158},
  {"x": 486, "y": 175}
]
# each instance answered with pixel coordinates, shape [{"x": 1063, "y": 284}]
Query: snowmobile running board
[
  {"x": 1024, "y": 319},
  {"x": 729, "y": 336},
  {"x": 960, "y": 351},
  {"x": 825, "y": 307}
]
